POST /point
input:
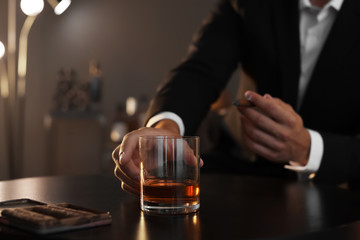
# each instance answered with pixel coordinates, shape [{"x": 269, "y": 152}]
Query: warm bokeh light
[
  {"x": 118, "y": 131},
  {"x": 32, "y": 7},
  {"x": 62, "y": 6},
  {"x": 131, "y": 106},
  {"x": 4, "y": 86},
  {"x": 2, "y": 49}
]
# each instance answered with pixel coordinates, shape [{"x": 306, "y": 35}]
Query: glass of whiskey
[{"x": 169, "y": 174}]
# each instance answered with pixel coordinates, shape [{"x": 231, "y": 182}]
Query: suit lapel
[
  {"x": 344, "y": 34},
  {"x": 287, "y": 35}
]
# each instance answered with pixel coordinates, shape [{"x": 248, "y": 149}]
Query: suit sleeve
[
  {"x": 197, "y": 82},
  {"x": 341, "y": 159}
]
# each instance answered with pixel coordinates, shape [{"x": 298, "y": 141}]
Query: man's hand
[
  {"x": 272, "y": 129},
  {"x": 126, "y": 155}
]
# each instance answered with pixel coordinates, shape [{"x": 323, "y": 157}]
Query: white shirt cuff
[
  {"x": 167, "y": 115},
  {"x": 315, "y": 157}
]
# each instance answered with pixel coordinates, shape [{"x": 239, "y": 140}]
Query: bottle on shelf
[
  {"x": 119, "y": 126},
  {"x": 95, "y": 84},
  {"x": 132, "y": 113}
]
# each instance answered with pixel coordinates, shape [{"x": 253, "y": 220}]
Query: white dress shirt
[{"x": 315, "y": 24}]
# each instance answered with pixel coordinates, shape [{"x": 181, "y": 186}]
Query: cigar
[{"x": 242, "y": 102}]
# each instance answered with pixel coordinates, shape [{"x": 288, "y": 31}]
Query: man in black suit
[{"x": 302, "y": 56}]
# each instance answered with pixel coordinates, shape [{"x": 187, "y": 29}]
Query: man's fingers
[
  {"x": 126, "y": 156},
  {"x": 115, "y": 155},
  {"x": 263, "y": 122},
  {"x": 260, "y": 149},
  {"x": 192, "y": 160},
  {"x": 119, "y": 173},
  {"x": 242, "y": 102},
  {"x": 129, "y": 189},
  {"x": 259, "y": 136},
  {"x": 275, "y": 109},
  {"x": 130, "y": 142},
  {"x": 189, "y": 156},
  {"x": 128, "y": 146},
  {"x": 126, "y": 179},
  {"x": 274, "y": 130},
  {"x": 259, "y": 142}
]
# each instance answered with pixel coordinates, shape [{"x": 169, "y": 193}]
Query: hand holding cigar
[
  {"x": 273, "y": 129},
  {"x": 242, "y": 102}
]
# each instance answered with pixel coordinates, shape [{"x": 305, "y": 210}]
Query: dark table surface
[{"x": 232, "y": 207}]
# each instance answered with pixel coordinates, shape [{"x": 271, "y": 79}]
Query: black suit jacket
[{"x": 263, "y": 35}]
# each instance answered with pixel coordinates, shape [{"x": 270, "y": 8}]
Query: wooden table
[{"x": 232, "y": 207}]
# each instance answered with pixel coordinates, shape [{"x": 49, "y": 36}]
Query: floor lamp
[
  {"x": 15, "y": 94},
  {"x": 4, "y": 93}
]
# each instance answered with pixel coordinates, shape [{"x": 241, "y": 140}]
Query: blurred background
[{"x": 91, "y": 72}]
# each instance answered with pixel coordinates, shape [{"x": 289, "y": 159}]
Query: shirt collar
[
  {"x": 322, "y": 12},
  {"x": 336, "y": 4}
]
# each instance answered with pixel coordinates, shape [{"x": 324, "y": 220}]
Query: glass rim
[{"x": 167, "y": 137}]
